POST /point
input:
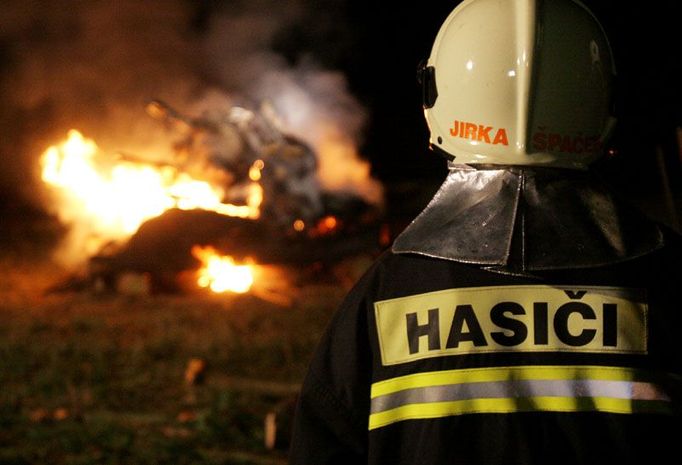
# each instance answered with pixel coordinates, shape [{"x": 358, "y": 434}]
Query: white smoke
[{"x": 94, "y": 64}]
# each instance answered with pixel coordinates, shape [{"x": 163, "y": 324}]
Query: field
[
  {"x": 94, "y": 377},
  {"x": 107, "y": 378}
]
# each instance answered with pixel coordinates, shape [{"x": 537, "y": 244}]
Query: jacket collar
[{"x": 528, "y": 219}]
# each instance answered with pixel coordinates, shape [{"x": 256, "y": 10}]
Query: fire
[
  {"x": 221, "y": 273},
  {"x": 256, "y": 168},
  {"x": 342, "y": 169},
  {"x": 114, "y": 199},
  {"x": 299, "y": 225},
  {"x": 327, "y": 224}
]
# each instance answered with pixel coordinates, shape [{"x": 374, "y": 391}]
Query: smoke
[
  {"x": 317, "y": 108},
  {"x": 89, "y": 65},
  {"x": 94, "y": 64}
]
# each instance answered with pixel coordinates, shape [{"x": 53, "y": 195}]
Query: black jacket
[{"x": 431, "y": 361}]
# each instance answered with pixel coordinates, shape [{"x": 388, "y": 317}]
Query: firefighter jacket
[{"x": 432, "y": 361}]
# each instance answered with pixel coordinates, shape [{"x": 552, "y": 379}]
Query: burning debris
[
  {"x": 118, "y": 196},
  {"x": 221, "y": 273},
  {"x": 284, "y": 165},
  {"x": 236, "y": 191},
  {"x": 252, "y": 148}
]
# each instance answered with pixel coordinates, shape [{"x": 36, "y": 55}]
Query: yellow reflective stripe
[
  {"x": 475, "y": 375},
  {"x": 512, "y": 405}
]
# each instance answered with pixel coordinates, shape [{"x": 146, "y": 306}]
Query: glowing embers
[
  {"x": 220, "y": 273},
  {"x": 324, "y": 226}
]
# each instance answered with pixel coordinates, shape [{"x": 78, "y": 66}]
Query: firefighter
[{"x": 526, "y": 316}]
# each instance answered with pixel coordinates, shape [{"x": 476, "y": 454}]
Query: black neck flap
[{"x": 521, "y": 220}]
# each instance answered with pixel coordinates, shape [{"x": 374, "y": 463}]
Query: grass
[{"x": 89, "y": 378}]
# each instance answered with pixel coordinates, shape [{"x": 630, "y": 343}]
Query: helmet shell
[{"x": 521, "y": 82}]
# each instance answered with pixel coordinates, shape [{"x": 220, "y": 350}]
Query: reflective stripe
[
  {"x": 501, "y": 389},
  {"x": 472, "y": 375},
  {"x": 515, "y": 389}
]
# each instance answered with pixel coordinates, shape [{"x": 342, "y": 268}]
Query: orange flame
[
  {"x": 221, "y": 273},
  {"x": 327, "y": 224},
  {"x": 341, "y": 167},
  {"x": 299, "y": 225},
  {"x": 115, "y": 199}
]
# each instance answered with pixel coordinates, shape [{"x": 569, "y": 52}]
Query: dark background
[{"x": 387, "y": 41}]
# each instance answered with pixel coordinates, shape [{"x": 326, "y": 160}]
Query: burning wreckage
[{"x": 237, "y": 193}]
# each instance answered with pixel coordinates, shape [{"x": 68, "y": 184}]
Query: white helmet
[{"x": 520, "y": 82}]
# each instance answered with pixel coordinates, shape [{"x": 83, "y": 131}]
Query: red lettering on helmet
[
  {"x": 554, "y": 141},
  {"x": 470, "y": 131},
  {"x": 454, "y": 130},
  {"x": 479, "y": 132},
  {"x": 501, "y": 137},
  {"x": 539, "y": 141},
  {"x": 592, "y": 144},
  {"x": 566, "y": 144},
  {"x": 484, "y": 133}
]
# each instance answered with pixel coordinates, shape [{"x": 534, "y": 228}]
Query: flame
[
  {"x": 342, "y": 169},
  {"x": 299, "y": 225},
  {"x": 115, "y": 199},
  {"x": 221, "y": 273},
  {"x": 327, "y": 224},
  {"x": 256, "y": 168}
]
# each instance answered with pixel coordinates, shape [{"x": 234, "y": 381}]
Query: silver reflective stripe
[
  {"x": 533, "y": 388},
  {"x": 581, "y": 388}
]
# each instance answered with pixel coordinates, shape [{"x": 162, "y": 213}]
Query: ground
[{"x": 92, "y": 377}]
